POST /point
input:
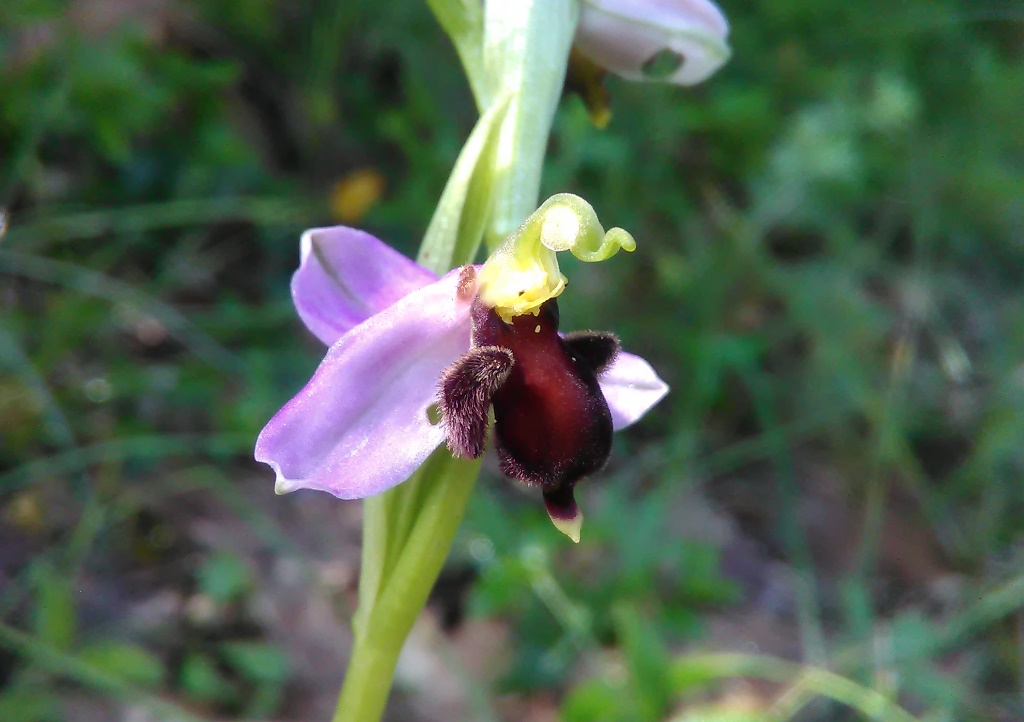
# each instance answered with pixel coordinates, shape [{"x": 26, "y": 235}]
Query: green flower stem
[
  {"x": 379, "y": 636},
  {"x": 373, "y": 555},
  {"x": 515, "y": 54},
  {"x": 526, "y": 47}
]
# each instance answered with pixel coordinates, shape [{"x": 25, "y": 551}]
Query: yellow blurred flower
[
  {"x": 25, "y": 510},
  {"x": 354, "y": 195}
]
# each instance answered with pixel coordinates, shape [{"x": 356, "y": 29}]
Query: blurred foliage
[
  {"x": 829, "y": 276},
  {"x": 564, "y": 605}
]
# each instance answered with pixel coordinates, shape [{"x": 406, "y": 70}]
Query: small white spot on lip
[{"x": 537, "y": 329}]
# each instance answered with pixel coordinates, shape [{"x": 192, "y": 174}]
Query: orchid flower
[
  {"x": 676, "y": 41},
  {"x": 416, "y": 361}
]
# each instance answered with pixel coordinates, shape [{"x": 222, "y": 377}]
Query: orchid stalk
[
  {"x": 433, "y": 361},
  {"x": 409, "y": 530}
]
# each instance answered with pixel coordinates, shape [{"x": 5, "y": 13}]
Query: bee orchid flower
[
  {"x": 416, "y": 361},
  {"x": 675, "y": 41}
]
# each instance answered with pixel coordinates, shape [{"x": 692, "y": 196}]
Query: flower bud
[{"x": 675, "y": 41}]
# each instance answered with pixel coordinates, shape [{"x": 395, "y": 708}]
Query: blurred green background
[{"x": 830, "y": 275}]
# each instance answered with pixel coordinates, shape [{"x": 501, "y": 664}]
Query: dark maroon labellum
[{"x": 552, "y": 423}]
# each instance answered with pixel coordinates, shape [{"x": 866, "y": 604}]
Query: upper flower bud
[
  {"x": 676, "y": 41},
  {"x": 523, "y": 273}
]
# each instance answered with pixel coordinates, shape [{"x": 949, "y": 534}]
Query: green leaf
[
  {"x": 223, "y": 577},
  {"x": 54, "y": 613},
  {"x": 648, "y": 662},
  {"x": 503, "y": 587},
  {"x": 201, "y": 680},
  {"x": 125, "y": 660},
  {"x": 257, "y": 661},
  {"x": 458, "y": 224},
  {"x": 594, "y": 701},
  {"x": 27, "y": 705}
]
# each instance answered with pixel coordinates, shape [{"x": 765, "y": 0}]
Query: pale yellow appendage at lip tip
[{"x": 570, "y": 527}]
